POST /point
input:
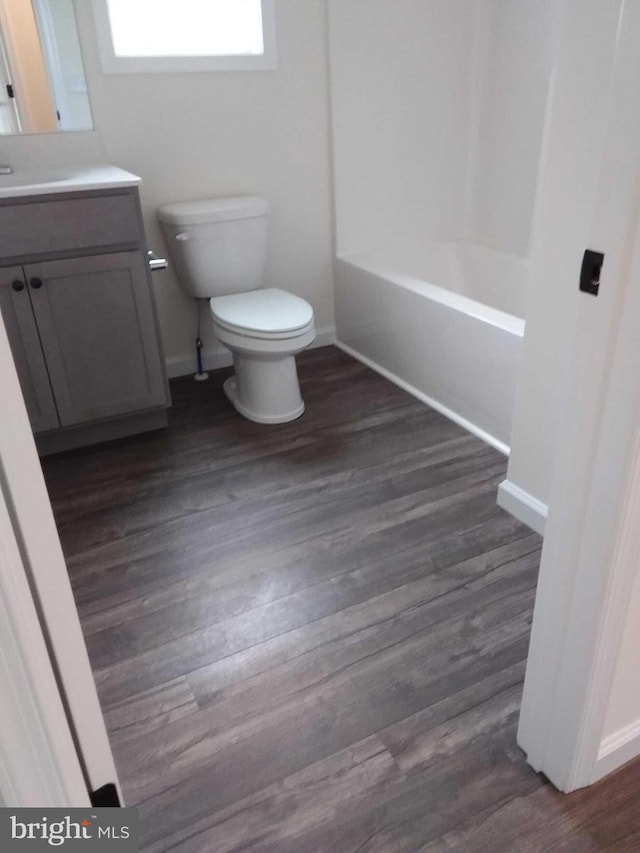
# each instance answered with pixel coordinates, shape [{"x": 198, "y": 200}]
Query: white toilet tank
[{"x": 218, "y": 246}]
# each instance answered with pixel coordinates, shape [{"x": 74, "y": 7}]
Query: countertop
[{"x": 64, "y": 179}]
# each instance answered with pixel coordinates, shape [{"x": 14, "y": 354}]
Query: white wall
[
  {"x": 400, "y": 109},
  {"x": 203, "y": 134},
  {"x": 516, "y": 44},
  {"x": 624, "y": 701}
]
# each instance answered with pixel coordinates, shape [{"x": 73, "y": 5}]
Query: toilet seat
[{"x": 266, "y": 314}]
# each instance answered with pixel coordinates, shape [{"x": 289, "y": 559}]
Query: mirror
[{"x": 42, "y": 80}]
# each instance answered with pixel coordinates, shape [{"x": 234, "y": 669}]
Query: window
[{"x": 185, "y": 35}]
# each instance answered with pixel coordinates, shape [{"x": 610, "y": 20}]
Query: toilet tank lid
[{"x": 213, "y": 210}]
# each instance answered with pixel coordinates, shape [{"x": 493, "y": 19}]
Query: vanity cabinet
[
  {"x": 24, "y": 341},
  {"x": 81, "y": 318}
]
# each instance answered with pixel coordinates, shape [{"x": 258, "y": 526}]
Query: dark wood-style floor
[{"x": 312, "y": 637}]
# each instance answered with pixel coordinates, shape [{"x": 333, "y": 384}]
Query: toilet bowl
[
  {"x": 218, "y": 247},
  {"x": 265, "y": 330}
]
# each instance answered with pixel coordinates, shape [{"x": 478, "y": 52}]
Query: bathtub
[{"x": 444, "y": 321}]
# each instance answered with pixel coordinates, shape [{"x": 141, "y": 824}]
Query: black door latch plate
[{"x": 590, "y": 273}]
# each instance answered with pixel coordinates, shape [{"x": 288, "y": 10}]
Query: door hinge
[
  {"x": 10, "y": 92},
  {"x": 105, "y": 797}
]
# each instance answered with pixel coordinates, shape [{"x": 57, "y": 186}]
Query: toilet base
[
  {"x": 265, "y": 391},
  {"x": 265, "y": 388}
]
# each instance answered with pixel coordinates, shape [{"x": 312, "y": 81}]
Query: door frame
[
  {"x": 44, "y": 596},
  {"x": 6, "y": 78},
  {"x": 52, "y": 63},
  {"x": 589, "y": 559}
]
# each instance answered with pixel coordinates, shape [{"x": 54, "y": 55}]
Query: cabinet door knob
[
  {"x": 36, "y": 283},
  {"x": 17, "y": 285}
]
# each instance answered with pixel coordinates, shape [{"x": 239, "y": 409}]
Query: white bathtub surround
[
  {"x": 400, "y": 75},
  {"x": 438, "y": 113},
  {"x": 523, "y": 506},
  {"x": 439, "y": 117},
  {"x": 494, "y": 279},
  {"x": 515, "y": 53},
  {"x": 436, "y": 326}
]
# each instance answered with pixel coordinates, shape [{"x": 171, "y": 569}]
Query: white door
[
  {"x": 39, "y": 765},
  {"x": 47, "y": 590}
]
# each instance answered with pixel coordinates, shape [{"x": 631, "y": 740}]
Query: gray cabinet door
[
  {"x": 27, "y": 351},
  {"x": 96, "y": 324}
]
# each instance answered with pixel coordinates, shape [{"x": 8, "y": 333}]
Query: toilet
[{"x": 218, "y": 247}]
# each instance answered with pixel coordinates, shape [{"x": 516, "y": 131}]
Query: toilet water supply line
[{"x": 200, "y": 376}]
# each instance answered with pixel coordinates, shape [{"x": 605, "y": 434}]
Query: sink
[
  {"x": 38, "y": 177},
  {"x": 44, "y": 180}
]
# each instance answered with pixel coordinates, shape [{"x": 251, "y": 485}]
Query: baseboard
[
  {"x": 523, "y": 506},
  {"x": 424, "y": 398},
  {"x": 617, "y": 749},
  {"x": 183, "y": 365}
]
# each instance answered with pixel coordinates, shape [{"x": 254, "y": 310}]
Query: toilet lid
[{"x": 268, "y": 311}]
